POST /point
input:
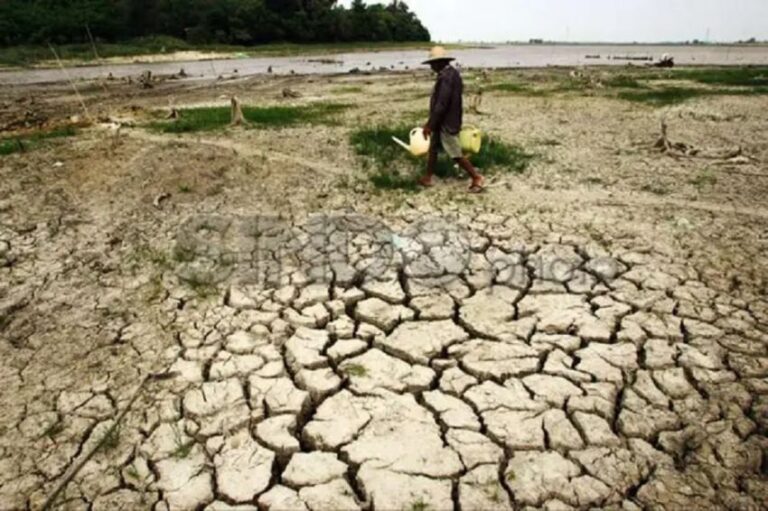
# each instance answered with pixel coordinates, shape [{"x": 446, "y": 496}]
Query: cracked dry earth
[{"x": 436, "y": 361}]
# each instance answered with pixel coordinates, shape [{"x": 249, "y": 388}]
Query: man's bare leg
[
  {"x": 477, "y": 179},
  {"x": 428, "y": 179}
]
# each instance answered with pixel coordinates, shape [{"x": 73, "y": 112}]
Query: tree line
[{"x": 242, "y": 22}]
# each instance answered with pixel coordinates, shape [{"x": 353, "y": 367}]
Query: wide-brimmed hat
[{"x": 437, "y": 54}]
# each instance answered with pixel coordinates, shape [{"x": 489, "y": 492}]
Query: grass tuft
[
  {"x": 355, "y": 370},
  {"x": 111, "y": 439},
  {"x": 54, "y": 429},
  {"x": 215, "y": 118},
  {"x": 33, "y": 140}
]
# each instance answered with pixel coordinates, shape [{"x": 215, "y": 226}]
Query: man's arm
[{"x": 442, "y": 101}]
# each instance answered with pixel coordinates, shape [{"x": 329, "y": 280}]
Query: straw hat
[{"x": 438, "y": 53}]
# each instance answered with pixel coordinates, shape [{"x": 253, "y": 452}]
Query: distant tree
[{"x": 202, "y": 21}]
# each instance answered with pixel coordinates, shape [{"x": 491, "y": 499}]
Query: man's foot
[
  {"x": 427, "y": 181},
  {"x": 478, "y": 185}
]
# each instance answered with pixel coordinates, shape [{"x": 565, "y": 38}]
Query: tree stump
[
  {"x": 146, "y": 80},
  {"x": 238, "y": 119}
]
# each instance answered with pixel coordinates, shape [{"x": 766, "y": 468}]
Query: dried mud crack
[
  {"x": 434, "y": 364},
  {"x": 589, "y": 334}
]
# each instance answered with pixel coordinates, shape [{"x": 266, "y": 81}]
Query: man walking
[{"x": 445, "y": 119}]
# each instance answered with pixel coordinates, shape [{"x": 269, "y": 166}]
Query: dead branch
[
  {"x": 160, "y": 198},
  {"x": 475, "y": 102},
  {"x": 672, "y": 148}
]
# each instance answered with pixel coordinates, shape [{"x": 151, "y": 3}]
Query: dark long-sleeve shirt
[{"x": 445, "y": 108}]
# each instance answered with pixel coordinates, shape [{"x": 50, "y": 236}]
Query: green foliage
[
  {"x": 34, "y": 140},
  {"x": 213, "y": 118},
  {"x": 242, "y": 22}
]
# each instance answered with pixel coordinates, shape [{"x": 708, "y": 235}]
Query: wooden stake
[{"x": 237, "y": 112}]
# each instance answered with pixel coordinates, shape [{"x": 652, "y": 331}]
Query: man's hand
[{"x": 427, "y": 131}]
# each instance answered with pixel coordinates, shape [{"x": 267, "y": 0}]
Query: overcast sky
[{"x": 592, "y": 20}]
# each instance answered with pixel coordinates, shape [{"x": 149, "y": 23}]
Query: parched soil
[{"x": 238, "y": 319}]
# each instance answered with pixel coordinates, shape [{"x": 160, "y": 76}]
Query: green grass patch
[
  {"x": 31, "y": 141},
  {"x": 623, "y": 82},
  {"x": 676, "y": 95},
  {"x": 733, "y": 77},
  {"x": 508, "y": 87},
  {"x": 396, "y": 169},
  {"x": 663, "y": 97},
  {"x": 517, "y": 88},
  {"x": 214, "y": 118}
]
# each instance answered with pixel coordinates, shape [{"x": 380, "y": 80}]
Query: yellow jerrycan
[{"x": 471, "y": 139}]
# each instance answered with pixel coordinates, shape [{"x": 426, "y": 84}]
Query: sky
[{"x": 592, "y": 20}]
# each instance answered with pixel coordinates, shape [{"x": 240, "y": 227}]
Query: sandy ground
[{"x": 590, "y": 334}]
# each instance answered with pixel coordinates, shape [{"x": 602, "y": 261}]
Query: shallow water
[{"x": 502, "y": 56}]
